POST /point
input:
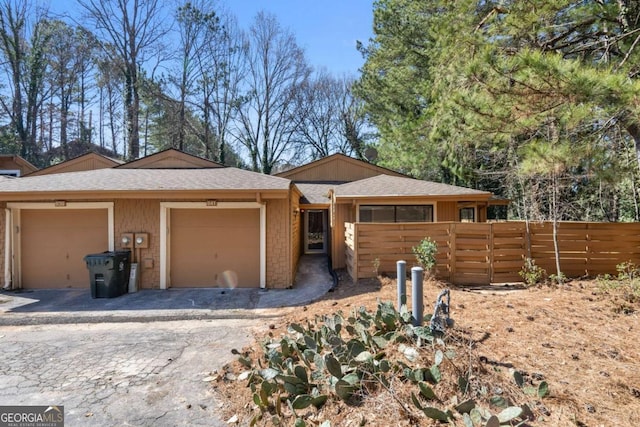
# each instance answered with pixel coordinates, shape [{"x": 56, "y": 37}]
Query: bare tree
[
  {"x": 319, "y": 112},
  {"x": 196, "y": 21},
  {"x": 69, "y": 62},
  {"x": 130, "y": 28},
  {"x": 23, "y": 49},
  {"x": 276, "y": 70},
  {"x": 221, "y": 70},
  {"x": 109, "y": 82},
  {"x": 332, "y": 121}
]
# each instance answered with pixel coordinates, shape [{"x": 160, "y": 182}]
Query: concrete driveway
[
  {"x": 31, "y": 307},
  {"x": 136, "y": 360},
  {"x": 121, "y": 374}
]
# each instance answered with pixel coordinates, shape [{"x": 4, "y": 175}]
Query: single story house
[
  {"x": 191, "y": 222},
  {"x": 15, "y": 166}
]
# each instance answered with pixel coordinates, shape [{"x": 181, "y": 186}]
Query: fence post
[
  {"x": 416, "y": 295},
  {"x": 401, "y": 268}
]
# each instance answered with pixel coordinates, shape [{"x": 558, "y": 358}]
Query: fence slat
[{"x": 480, "y": 253}]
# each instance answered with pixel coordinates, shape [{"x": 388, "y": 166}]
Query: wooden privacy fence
[{"x": 483, "y": 253}]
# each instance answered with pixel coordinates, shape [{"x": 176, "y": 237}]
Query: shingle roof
[
  {"x": 385, "y": 185},
  {"x": 316, "y": 193},
  {"x": 146, "y": 180}
]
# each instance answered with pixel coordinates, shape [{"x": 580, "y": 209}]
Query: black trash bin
[{"x": 109, "y": 273}]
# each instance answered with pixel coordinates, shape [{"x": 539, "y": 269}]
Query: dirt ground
[{"x": 579, "y": 338}]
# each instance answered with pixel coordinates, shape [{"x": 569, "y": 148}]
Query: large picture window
[{"x": 396, "y": 213}]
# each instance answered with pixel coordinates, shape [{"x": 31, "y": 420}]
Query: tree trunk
[
  {"x": 64, "y": 121},
  {"x": 101, "y": 117},
  {"x": 556, "y": 246},
  {"x": 132, "y": 103},
  {"x": 634, "y": 130}
]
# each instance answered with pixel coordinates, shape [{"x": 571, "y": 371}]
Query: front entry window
[
  {"x": 315, "y": 226},
  {"x": 396, "y": 213}
]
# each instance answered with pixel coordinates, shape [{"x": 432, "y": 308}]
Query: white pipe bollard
[
  {"x": 401, "y": 268},
  {"x": 416, "y": 295}
]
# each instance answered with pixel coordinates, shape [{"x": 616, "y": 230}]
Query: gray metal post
[
  {"x": 417, "y": 307},
  {"x": 401, "y": 267}
]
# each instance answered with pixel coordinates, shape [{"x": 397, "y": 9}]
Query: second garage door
[
  {"x": 54, "y": 243},
  {"x": 215, "y": 248}
]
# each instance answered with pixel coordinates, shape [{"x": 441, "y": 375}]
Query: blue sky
[{"x": 326, "y": 29}]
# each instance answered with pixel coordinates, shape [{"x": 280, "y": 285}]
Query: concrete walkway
[{"x": 60, "y": 306}]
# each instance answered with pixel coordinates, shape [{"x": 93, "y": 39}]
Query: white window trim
[
  {"x": 13, "y": 239},
  {"x": 165, "y": 224},
  {"x": 10, "y": 172}
]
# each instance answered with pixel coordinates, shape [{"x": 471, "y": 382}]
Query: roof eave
[
  {"x": 480, "y": 197},
  {"x": 144, "y": 194}
]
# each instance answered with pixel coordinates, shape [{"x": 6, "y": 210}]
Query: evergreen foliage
[{"x": 536, "y": 101}]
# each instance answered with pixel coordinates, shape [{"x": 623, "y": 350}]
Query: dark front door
[{"x": 315, "y": 232}]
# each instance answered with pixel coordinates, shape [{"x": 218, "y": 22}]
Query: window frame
[
  {"x": 429, "y": 213},
  {"x": 468, "y": 208}
]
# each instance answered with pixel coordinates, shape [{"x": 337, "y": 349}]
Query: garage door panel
[
  {"x": 54, "y": 243},
  {"x": 212, "y": 248}
]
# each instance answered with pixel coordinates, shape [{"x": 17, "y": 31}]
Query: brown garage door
[
  {"x": 215, "y": 247},
  {"x": 54, "y": 243}
]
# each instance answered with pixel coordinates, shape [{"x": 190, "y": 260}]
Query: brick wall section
[
  {"x": 132, "y": 216},
  {"x": 278, "y": 244}
]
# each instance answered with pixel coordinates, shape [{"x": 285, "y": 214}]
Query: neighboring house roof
[
  {"x": 87, "y": 161},
  {"x": 76, "y": 148},
  {"x": 316, "y": 193},
  {"x": 170, "y": 159},
  {"x": 336, "y": 167},
  {"x": 152, "y": 180},
  {"x": 12, "y": 161},
  {"x": 389, "y": 186}
]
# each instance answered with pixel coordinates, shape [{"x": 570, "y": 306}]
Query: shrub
[
  {"x": 425, "y": 253},
  {"x": 626, "y": 283},
  {"x": 531, "y": 273}
]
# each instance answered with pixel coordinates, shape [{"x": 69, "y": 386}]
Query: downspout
[{"x": 7, "y": 249}]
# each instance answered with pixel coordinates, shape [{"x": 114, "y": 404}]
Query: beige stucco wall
[
  {"x": 131, "y": 216},
  {"x": 278, "y": 244}
]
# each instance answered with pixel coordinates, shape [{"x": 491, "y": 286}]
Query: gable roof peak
[
  {"x": 171, "y": 158},
  {"x": 336, "y": 167}
]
